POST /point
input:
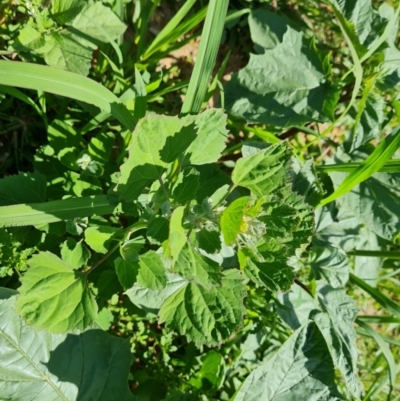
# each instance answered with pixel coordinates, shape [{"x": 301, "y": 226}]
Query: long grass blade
[
  {"x": 370, "y": 166},
  {"x": 391, "y": 166},
  {"x": 382, "y": 299},
  {"x": 165, "y": 35},
  {"x": 64, "y": 83},
  {"x": 385, "y": 351},
  {"x": 209, "y": 44},
  {"x": 51, "y": 212}
]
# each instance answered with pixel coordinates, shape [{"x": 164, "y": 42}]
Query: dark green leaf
[
  {"x": 126, "y": 271},
  {"x": 308, "y": 376},
  {"x": 38, "y": 366}
]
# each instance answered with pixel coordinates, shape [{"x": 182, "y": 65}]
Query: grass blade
[
  {"x": 164, "y": 36},
  {"x": 385, "y": 351},
  {"x": 370, "y": 166},
  {"x": 64, "y": 83},
  {"x": 210, "y": 40},
  {"x": 383, "y": 300},
  {"x": 391, "y": 166},
  {"x": 50, "y": 212}
]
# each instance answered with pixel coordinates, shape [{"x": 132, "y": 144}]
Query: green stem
[
  {"x": 128, "y": 231},
  {"x": 376, "y": 254}
]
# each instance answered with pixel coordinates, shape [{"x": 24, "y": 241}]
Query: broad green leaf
[
  {"x": 74, "y": 254},
  {"x": 363, "y": 23},
  {"x": 100, "y": 146},
  {"x": 343, "y": 230},
  {"x": 38, "y": 366},
  {"x": 151, "y": 150},
  {"x": 160, "y": 140},
  {"x": 157, "y": 229},
  {"x": 206, "y": 316},
  {"x": 126, "y": 271},
  {"x": 195, "y": 268},
  {"x": 64, "y": 83},
  {"x": 54, "y": 296},
  {"x": 211, "y": 373},
  {"x": 186, "y": 186},
  {"x": 151, "y": 300},
  {"x": 62, "y": 135},
  {"x": 264, "y": 171},
  {"x": 337, "y": 327},
  {"x": 186, "y": 261},
  {"x": 29, "y": 38},
  {"x": 212, "y": 179},
  {"x": 63, "y": 11},
  {"x": 130, "y": 249},
  {"x": 331, "y": 264},
  {"x": 209, "y": 240},
  {"x": 24, "y": 187},
  {"x": 210, "y": 138},
  {"x": 302, "y": 369},
  {"x": 371, "y": 120},
  {"x": 233, "y": 219},
  {"x": 383, "y": 152},
  {"x": 276, "y": 275},
  {"x": 96, "y": 21},
  {"x": 67, "y": 51},
  {"x": 152, "y": 273},
  {"x": 305, "y": 181},
  {"x": 286, "y": 85},
  {"x": 99, "y": 238}
]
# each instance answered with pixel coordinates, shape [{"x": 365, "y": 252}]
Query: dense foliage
[{"x": 199, "y": 211}]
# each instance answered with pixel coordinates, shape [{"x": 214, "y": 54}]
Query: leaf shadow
[{"x": 96, "y": 363}]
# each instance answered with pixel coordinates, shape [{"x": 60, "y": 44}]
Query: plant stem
[
  {"x": 376, "y": 254},
  {"x": 100, "y": 261},
  {"x": 164, "y": 189}
]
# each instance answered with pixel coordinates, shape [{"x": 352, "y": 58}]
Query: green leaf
[
  {"x": 74, "y": 254},
  {"x": 21, "y": 188},
  {"x": 126, "y": 271},
  {"x": 286, "y": 85},
  {"x": 371, "y": 120},
  {"x": 99, "y": 238},
  {"x": 206, "y": 316},
  {"x": 186, "y": 261},
  {"x": 151, "y": 300},
  {"x": 233, "y": 219},
  {"x": 209, "y": 240},
  {"x": 331, "y": 264},
  {"x": 301, "y": 369},
  {"x": 63, "y": 11},
  {"x": 337, "y": 327},
  {"x": 263, "y": 171},
  {"x": 62, "y": 135},
  {"x": 276, "y": 275},
  {"x": 54, "y": 296},
  {"x": 38, "y": 366},
  {"x": 67, "y": 51},
  {"x": 152, "y": 273},
  {"x": 100, "y": 146},
  {"x": 157, "y": 229},
  {"x": 186, "y": 186},
  {"x": 160, "y": 140},
  {"x": 29, "y": 38},
  {"x": 211, "y": 374},
  {"x": 98, "y": 22}
]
